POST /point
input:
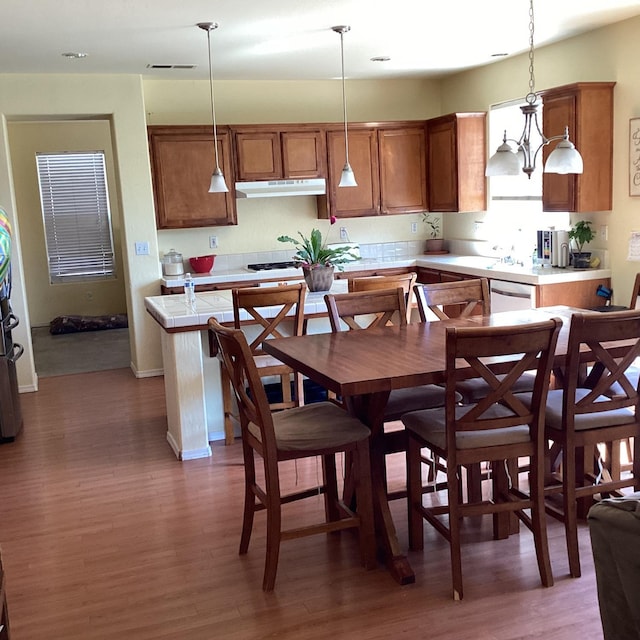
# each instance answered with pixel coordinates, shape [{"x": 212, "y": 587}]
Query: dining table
[{"x": 363, "y": 367}]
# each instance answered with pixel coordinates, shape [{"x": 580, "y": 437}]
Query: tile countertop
[{"x": 171, "y": 311}]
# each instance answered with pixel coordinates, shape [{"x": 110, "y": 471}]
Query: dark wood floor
[{"x": 106, "y": 535}]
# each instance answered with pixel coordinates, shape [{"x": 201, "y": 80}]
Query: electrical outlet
[
  {"x": 142, "y": 248},
  {"x": 213, "y": 242},
  {"x": 604, "y": 232},
  {"x": 343, "y": 234},
  {"x": 414, "y": 227}
]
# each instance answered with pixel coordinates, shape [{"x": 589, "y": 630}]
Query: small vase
[
  {"x": 318, "y": 277},
  {"x": 433, "y": 245}
]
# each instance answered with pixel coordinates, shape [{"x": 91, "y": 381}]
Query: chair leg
[
  {"x": 274, "y": 527},
  {"x": 227, "y": 404},
  {"x": 453, "y": 491},
  {"x": 249, "y": 498},
  {"x": 332, "y": 513},
  {"x": 414, "y": 494},
  {"x": 570, "y": 507},
  {"x": 501, "y": 525},
  {"x": 539, "y": 523},
  {"x": 364, "y": 496}
]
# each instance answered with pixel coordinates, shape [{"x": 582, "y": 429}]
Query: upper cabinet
[
  {"x": 389, "y": 164},
  {"x": 264, "y": 153},
  {"x": 182, "y": 161},
  {"x": 587, "y": 109},
  {"x": 456, "y": 161}
]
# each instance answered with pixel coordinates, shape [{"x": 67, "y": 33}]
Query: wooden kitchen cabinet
[
  {"x": 456, "y": 161},
  {"x": 263, "y": 153},
  {"x": 587, "y": 109},
  {"x": 389, "y": 163},
  {"x": 182, "y": 161},
  {"x": 580, "y": 294}
]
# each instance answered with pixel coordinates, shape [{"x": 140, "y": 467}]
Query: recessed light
[
  {"x": 74, "y": 55},
  {"x": 380, "y": 59}
]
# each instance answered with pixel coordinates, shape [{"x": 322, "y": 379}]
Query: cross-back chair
[
  {"x": 459, "y": 298},
  {"x": 372, "y": 283},
  {"x": 578, "y": 419},
  {"x": 498, "y": 428},
  {"x": 321, "y": 429},
  {"x": 268, "y": 313}
]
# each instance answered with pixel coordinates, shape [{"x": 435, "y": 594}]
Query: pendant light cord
[
  {"x": 344, "y": 100},
  {"x": 213, "y": 111},
  {"x": 531, "y": 96}
]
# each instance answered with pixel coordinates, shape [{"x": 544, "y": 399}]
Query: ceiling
[{"x": 285, "y": 39}]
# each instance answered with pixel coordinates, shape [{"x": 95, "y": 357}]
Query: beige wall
[
  {"x": 46, "y": 301},
  {"x": 608, "y": 54}
]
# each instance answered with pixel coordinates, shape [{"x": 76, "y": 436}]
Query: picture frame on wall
[{"x": 634, "y": 157}]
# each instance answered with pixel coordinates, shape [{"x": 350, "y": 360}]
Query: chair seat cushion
[
  {"x": 474, "y": 389},
  {"x": 322, "y": 425},
  {"x": 427, "y": 396},
  {"x": 429, "y": 425},
  {"x": 583, "y": 422}
]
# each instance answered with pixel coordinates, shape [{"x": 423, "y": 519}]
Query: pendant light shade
[
  {"x": 565, "y": 158},
  {"x": 347, "y": 178},
  {"x": 217, "y": 185}
]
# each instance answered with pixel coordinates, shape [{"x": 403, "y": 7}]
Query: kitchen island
[{"x": 192, "y": 376}]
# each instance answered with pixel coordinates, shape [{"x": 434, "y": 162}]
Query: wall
[
  {"x": 608, "y": 54},
  {"x": 46, "y": 301},
  {"x": 187, "y": 102}
]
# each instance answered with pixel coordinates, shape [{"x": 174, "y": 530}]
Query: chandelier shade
[{"x": 217, "y": 184}]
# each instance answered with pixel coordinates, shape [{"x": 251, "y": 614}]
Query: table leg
[{"x": 370, "y": 409}]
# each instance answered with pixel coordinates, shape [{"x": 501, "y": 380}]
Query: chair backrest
[
  {"x": 461, "y": 297},
  {"x": 518, "y": 348},
  {"x": 366, "y": 309},
  {"x": 372, "y": 283},
  {"x": 279, "y": 301},
  {"x": 253, "y": 406},
  {"x": 613, "y": 340},
  {"x": 635, "y": 292}
]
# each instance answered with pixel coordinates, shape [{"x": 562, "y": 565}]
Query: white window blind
[{"x": 77, "y": 219}]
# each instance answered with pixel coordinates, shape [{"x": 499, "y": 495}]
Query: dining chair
[
  {"x": 268, "y": 309},
  {"x": 368, "y": 310},
  {"x": 498, "y": 428},
  {"x": 461, "y": 299},
  {"x": 579, "y": 419},
  {"x": 321, "y": 429},
  {"x": 372, "y": 283}
]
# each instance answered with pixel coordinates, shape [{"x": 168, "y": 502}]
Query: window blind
[{"x": 76, "y": 214}]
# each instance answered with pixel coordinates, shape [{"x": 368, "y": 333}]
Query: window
[{"x": 77, "y": 219}]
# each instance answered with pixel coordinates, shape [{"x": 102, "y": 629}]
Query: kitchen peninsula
[{"x": 192, "y": 376}]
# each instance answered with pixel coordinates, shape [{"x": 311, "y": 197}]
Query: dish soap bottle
[{"x": 189, "y": 291}]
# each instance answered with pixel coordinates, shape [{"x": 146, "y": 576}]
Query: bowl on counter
[{"x": 202, "y": 264}]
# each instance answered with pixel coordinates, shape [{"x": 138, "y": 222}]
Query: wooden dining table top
[{"x": 353, "y": 363}]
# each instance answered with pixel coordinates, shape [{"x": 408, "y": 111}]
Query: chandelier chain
[{"x": 532, "y": 80}]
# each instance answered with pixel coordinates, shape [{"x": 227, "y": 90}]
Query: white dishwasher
[{"x": 511, "y": 296}]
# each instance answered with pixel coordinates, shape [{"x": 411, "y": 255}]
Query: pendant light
[
  {"x": 507, "y": 162},
  {"x": 347, "y": 179},
  {"x": 218, "y": 185}
]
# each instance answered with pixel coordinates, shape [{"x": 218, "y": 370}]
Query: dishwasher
[{"x": 511, "y": 296}]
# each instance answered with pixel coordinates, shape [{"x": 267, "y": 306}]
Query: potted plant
[
  {"x": 434, "y": 242},
  {"x": 581, "y": 233},
  {"x": 317, "y": 260}
]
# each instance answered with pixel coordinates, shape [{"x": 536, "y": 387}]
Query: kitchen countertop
[{"x": 173, "y": 314}]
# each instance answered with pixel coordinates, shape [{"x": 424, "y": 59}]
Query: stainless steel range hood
[{"x": 279, "y": 188}]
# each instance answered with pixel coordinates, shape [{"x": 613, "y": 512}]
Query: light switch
[{"x": 142, "y": 248}]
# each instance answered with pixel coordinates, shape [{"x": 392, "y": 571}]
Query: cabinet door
[
  {"x": 259, "y": 156},
  {"x": 363, "y": 200},
  {"x": 303, "y": 154},
  {"x": 558, "y": 191},
  {"x": 403, "y": 174},
  {"x": 182, "y": 161},
  {"x": 442, "y": 166}
]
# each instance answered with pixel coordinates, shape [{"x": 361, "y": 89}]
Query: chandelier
[{"x": 565, "y": 158}]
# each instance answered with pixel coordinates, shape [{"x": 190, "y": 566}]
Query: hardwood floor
[{"x": 106, "y": 535}]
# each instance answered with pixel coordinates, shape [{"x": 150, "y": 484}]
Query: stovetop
[{"x": 267, "y": 266}]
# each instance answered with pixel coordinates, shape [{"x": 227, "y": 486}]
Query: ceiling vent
[{"x": 171, "y": 66}]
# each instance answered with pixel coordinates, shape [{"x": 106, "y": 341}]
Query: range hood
[{"x": 278, "y": 188}]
